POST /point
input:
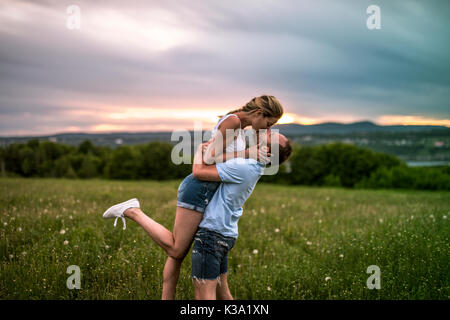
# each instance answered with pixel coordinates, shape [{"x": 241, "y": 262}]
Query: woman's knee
[{"x": 177, "y": 254}]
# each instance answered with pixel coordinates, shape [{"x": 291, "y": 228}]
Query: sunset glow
[
  {"x": 294, "y": 118},
  {"x": 412, "y": 120}
]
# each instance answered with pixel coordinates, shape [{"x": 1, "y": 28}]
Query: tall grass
[{"x": 291, "y": 239}]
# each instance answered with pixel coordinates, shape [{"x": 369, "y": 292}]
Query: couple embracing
[{"x": 210, "y": 199}]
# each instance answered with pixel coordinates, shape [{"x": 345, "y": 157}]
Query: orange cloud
[{"x": 412, "y": 120}]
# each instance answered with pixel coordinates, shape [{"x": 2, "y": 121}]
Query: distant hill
[
  {"x": 292, "y": 130},
  {"x": 355, "y": 127}
]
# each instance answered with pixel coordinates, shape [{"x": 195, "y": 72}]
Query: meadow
[{"x": 294, "y": 242}]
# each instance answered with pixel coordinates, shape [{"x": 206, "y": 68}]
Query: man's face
[{"x": 268, "y": 136}]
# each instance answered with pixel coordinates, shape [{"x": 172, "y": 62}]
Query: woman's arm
[
  {"x": 202, "y": 171},
  {"x": 226, "y": 133}
]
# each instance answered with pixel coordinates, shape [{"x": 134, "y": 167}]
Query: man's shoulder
[
  {"x": 245, "y": 166},
  {"x": 244, "y": 162}
]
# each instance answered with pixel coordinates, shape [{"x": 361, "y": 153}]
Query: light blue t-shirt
[{"x": 239, "y": 177}]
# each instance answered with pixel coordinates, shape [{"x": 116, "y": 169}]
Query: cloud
[{"x": 319, "y": 59}]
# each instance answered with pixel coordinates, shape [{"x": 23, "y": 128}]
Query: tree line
[{"x": 334, "y": 164}]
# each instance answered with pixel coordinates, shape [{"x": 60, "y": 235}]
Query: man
[{"x": 218, "y": 229}]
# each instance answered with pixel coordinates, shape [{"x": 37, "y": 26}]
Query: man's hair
[{"x": 284, "y": 152}]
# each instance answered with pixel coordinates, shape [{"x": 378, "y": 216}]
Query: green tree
[{"x": 123, "y": 163}]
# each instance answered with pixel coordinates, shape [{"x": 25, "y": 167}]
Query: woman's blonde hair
[{"x": 268, "y": 105}]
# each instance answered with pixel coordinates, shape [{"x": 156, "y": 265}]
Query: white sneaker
[{"x": 117, "y": 211}]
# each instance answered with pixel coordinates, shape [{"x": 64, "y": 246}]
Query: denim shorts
[
  {"x": 210, "y": 254},
  {"x": 195, "y": 194}
]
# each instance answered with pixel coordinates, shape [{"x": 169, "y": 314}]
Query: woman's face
[{"x": 261, "y": 122}]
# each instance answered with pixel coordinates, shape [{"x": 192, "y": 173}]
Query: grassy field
[{"x": 294, "y": 242}]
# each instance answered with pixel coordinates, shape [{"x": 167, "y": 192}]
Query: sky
[{"x": 165, "y": 65}]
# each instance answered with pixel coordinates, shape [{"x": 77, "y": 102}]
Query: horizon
[
  {"x": 160, "y": 66},
  {"x": 192, "y": 129}
]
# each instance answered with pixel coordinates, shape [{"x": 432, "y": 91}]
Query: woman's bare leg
[
  {"x": 175, "y": 244},
  {"x": 170, "y": 278}
]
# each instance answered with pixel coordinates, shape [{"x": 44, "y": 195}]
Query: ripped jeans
[{"x": 210, "y": 254}]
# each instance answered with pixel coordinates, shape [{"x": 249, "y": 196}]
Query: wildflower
[
  {"x": 277, "y": 230},
  {"x": 66, "y": 242},
  {"x": 5, "y": 223},
  {"x": 107, "y": 247},
  {"x": 19, "y": 229},
  {"x": 269, "y": 288},
  {"x": 255, "y": 251},
  {"x": 327, "y": 278},
  {"x": 11, "y": 256},
  {"x": 24, "y": 253},
  {"x": 445, "y": 217},
  {"x": 62, "y": 231},
  {"x": 341, "y": 256},
  {"x": 380, "y": 220},
  {"x": 308, "y": 243},
  {"x": 283, "y": 206}
]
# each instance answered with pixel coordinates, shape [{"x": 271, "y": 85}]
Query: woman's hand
[
  {"x": 205, "y": 145},
  {"x": 259, "y": 153}
]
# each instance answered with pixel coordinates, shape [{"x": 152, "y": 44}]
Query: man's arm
[{"x": 201, "y": 170}]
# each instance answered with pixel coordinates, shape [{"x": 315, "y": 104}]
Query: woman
[{"x": 194, "y": 195}]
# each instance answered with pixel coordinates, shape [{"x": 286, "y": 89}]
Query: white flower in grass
[
  {"x": 11, "y": 256},
  {"x": 66, "y": 242},
  {"x": 445, "y": 217},
  {"x": 277, "y": 230},
  {"x": 341, "y": 256},
  {"x": 5, "y": 223},
  {"x": 107, "y": 247},
  {"x": 308, "y": 243},
  {"x": 269, "y": 289},
  {"x": 62, "y": 231},
  {"x": 327, "y": 279},
  {"x": 255, "y": 251},
  {"x": 19, "y": 229}
]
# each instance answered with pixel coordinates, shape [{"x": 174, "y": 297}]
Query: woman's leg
[
  {"x": 177, "y": 243},
  {"x": 170, "y": 278}
]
